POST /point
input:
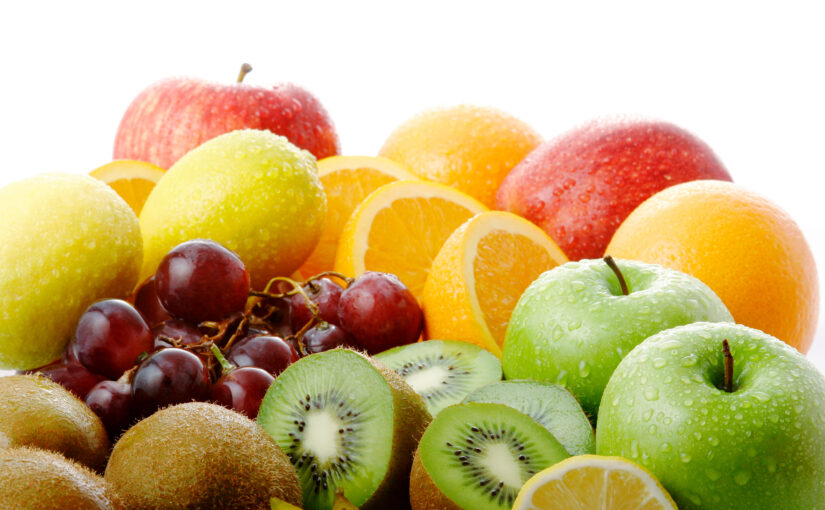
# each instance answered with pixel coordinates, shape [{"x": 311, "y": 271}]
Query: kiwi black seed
[
  {"x": 200, "y": 455},
  {"x": 443, "y": 372},
  {"x": 478, "y": 456},
  {"x": 346, "y": 422},
  {"x": 36, "y": 411},
  {"x": 46, "y": 480},
  {"x": 553, "y": 406}
]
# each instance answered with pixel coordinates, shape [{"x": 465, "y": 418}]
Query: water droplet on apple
[
  {"x": 713, "y": 475},
  {"x": 665, "y": 448},
  {"x": 634, "y": 449},
  {"x": 584, "y": 370},
  {"x": 647, "y": 415},
  {"x": 713, "y": 440},
  {"x": 685, "y": 457},
  {"x": 652, "y": 430},
  {"x": 659, "y": 363},
  {"x": 690, "y": 360},
  {"x": 651, "y": 394},
  {"x": 742, "y": 477},
  {"x": 688, "y": 402}
]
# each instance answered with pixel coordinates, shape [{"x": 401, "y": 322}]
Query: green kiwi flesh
[
  {"x": 200, "y": 455},
  {"x": 36, "y": 411},
  {"x": 46, "y": 480},
  {"x": 477, "y": 456},
  {"x": 553, "y": 406},
  {"x": 346, "y": 422},
  {"x": 443, "y": 372}
]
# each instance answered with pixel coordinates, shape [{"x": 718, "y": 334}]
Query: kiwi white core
[
  {"x": 321, "y": 436},
  {"x": 500, "y": 462},
  {"x": 427, "y": 380}
]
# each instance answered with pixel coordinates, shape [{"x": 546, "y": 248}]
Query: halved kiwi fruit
[
  {"x": 36, "y": 411},
  {"x": 35, "y": 478},
  {"x": 553, "y": 406},
  {"x": 477, "y": 456},
  {"x": 348, "y": 422},
  {"x": 443, "y": 372},
  {"x": 200, "y": 455}
]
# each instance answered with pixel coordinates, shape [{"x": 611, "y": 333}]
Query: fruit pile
[{"x": 474, "y": 319}]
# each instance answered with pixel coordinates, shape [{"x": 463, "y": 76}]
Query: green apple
[
  {"x": 574, "y": 324},
  {"x": 759, "y": 446}
]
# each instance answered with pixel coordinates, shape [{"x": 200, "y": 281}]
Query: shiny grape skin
[
  {"x": 184, "y": 332},
  {"x": 167, "y": 377},
  {"x": 200, "y": 280},
  {"x": 271, "y": 353},
  {"x": 111, "y": 401},
  {"x": 242, "y": 390},
  {"x": 110, "y": 337},
  {"x": 380, "y": 312},
  {"x": 147, "y": 303},
  {"x": 325, "y": 293},
  {"x": 325, "y": 336},
  {"x": 71, "y": 375}
]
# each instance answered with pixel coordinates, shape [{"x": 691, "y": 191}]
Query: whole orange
[
  {"x": 742, "y": 245},
  {"x": 471, "y": 148}
]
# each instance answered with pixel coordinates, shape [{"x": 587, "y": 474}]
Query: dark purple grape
[
  {"x": 167, "y": 377},
  {"x": 200, "y": 280},
  {"x": 147, "y": 303},
  {"x": 72, "y": 376},
  {"x": 380, "y": 312},
  {"x": 242, "y": 390},
  {"x": 182, "y": 331},
  {"x": 112, "y": 403},
  {"x": 325, "y": 294},
  {"x": 110, "y": 337},
  {"x": 270, "y": 353},
  {"x": 325, "y": 336}
]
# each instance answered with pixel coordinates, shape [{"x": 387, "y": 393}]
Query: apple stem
[
  {"x": 245, "y": 69},
  {"x": 612, "y": 263},
  {"x": 728, "y": 366}
]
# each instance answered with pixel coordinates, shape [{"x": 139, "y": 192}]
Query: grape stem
[
  {"x": 226, "y": 366},
  {"x": 346, "y": 279}
]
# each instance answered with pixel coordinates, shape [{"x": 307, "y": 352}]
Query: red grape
[
  {"x": 167, "y": 377},
  {"x": 242, "y": 390},
  {"x": 380, "y": 312},
  {"x": 182, "y": 331},
  {"x": 325, "y": 336},
  {"x": 148, "y": 304},
  {"x": 200, "y": 280},
  {"x": 110, "y": 337},
  {"x": 325, "y": 294},
  {"x": 111, "y": 401},
  {"x": 270, "y": 353},
  {"x": 72, "y": 376}
]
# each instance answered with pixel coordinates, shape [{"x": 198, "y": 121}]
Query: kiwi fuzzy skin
[
  {"x": 36, "y": 411},
  {"x": 46, "y": 480},
  {"x": 411, "y": 420},
  {"x": 200, "y": 455},
  {"x": 424, "y": 493}
]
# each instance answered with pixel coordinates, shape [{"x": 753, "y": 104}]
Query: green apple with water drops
[
  {"x": 720, "y": 431},
  {"x": 576, "y": 322}
]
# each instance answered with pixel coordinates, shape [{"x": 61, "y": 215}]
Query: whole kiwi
[
  {"x": 36, "y": 411},
  {"x": 44, "y": 480},
  {"x": 200, "y": 455}
]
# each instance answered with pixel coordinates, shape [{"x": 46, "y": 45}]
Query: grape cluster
[{"x": 195, "y": 330}]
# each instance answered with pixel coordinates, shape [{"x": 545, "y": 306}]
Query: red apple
[
  {"x": 173, "y": 116},
  {"x": 580, "y": 186}
]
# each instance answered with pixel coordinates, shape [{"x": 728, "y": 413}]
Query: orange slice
[
  {"x": 132, "y": 180},
  {"x": 399, "y": 229},
  {"x": 591, "y": 482},
  {"x": 347, "y": 180},
  {"x": 479, "y": 274}
]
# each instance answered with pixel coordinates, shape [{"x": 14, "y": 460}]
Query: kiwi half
[
  {"x": 200, "y": 455},
  {"x": 477, "y": 456},
  {"x": 553, "y": 406},
  {"x": 34, "y": 478},
  {"x": 346, "y": 422},
  {"x": 443, "y": 372},
  {"x": 36, "y": 411}
]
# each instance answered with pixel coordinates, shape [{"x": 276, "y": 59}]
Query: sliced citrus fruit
[
  {"x": 592, "y": 482},
  {"x": 131, "y": 179},
  {"x": 399, "y": 229},
  {"x": 479, "y": 274},
  {"x": 347, "y": 180}
]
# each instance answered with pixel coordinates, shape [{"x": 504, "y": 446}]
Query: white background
[{"x": 747, "y": 79}]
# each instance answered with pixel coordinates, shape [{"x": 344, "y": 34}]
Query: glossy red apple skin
[
  {"x": 580, "y": 186},
  {"x": 173, "y": 116}
]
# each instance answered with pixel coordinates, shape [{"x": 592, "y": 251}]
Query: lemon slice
[
  {"x": 592, "y": 482},
  {"x": 132, "y": 180},
  {"x": 479, "y": 274}
]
